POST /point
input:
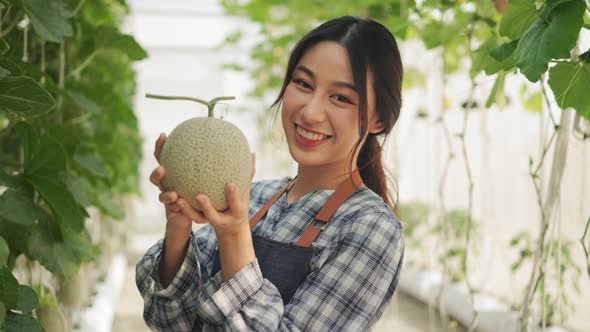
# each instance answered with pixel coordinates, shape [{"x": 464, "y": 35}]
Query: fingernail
[{"x": 200, "y": 198}]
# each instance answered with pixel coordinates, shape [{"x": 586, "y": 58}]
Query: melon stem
[{"x": 210, "y": 104}]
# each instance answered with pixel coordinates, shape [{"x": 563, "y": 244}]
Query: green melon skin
[{"x": 201, "y": 155}]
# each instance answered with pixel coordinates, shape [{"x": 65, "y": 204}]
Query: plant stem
[
  {"x": 210, "y": 104},
  {"x": 586, "y": 248},
  {"x": 547, "y": 209},
  {"x": 76, "y": 72},
  {"x": 10, "y": 26}
]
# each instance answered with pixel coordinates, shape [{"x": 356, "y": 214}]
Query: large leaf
[
  {"x": 84, "y": 102},
  {"x": 50, "y": 155},
  {"x": 49, "y": 18},
  {"x": 518, "y": 17},
  {"x": 552, "y": 36},
  {"x": 58, "y": 196},
  {"x": 3, "y": 73},
  {"x": 21, "y": 323},
  {"x": 108, "y": 37},
  {"x": 4, "y": 251},
  {"x": 13, "y": 68},
  {"x": 2, "y": 309},
  {"x": 17, "y": 207},
  {"x": 569, "y": 84},
  {"x": 23, "y": 96},
  {"x": 27, "y": 299},
  {"x": 45, "y": 245},
  {"x": 92, "y": 163},
  {"x": 29, "y": 140},
  {"x": 8, "y": 287}
]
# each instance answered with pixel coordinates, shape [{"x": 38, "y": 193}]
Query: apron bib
[{"x": 287, "y": 265}]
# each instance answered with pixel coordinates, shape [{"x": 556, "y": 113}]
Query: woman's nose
[{"x": 314, "y": 110}]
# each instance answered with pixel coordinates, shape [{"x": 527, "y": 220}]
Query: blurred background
[{"x": 490, "y": 156}]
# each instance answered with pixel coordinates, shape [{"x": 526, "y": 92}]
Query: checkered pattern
[{"x": 354, "y": 273}]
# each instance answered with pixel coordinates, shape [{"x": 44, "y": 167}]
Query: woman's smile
[{"x": 309, "y": 138}]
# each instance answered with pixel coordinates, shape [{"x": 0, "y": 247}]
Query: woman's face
[{"x": 320, "y": 107}]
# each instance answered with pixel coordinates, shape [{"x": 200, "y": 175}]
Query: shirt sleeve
[
  {"x": 172, "y": 308},
  {"x": 347, "y": 293}
]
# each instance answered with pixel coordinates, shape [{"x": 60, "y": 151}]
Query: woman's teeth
[{"x": 310, "y": 136}]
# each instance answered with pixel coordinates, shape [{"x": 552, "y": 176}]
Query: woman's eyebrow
[{"x": 337, "y": 83}]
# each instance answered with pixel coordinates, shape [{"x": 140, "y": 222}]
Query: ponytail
[{"x": 372, "y": 171}]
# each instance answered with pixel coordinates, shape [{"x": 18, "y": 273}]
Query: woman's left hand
[{"x": 229, "y": 221}]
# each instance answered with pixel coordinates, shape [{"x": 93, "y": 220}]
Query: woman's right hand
[{"x": 177, "y": 222}]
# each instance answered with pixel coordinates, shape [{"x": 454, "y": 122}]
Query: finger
[
  {"x": 189, "y": 212},
  {"x": 207, "y": 209},
  {"x": 232, "y": 197},
  {"x": 172, "y": 207},
  {"x": 158, "y": 148},
  {"x": 168, "y": 197},
  {"x": 156, "y": 177}
]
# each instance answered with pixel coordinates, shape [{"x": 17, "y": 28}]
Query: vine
[{"x": 503, "y": 39}]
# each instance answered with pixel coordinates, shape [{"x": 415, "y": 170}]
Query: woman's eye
[
  {"x": 302, "y": 83},
  {"x": 343, "y": 99}
]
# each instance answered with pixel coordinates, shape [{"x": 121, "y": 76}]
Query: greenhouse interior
[{"x": 478, "y": 177}]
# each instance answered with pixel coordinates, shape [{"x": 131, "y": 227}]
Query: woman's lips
[{"x": 308, "y": 142}]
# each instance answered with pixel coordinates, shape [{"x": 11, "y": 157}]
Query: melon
[{"x": 202, "y": 154}]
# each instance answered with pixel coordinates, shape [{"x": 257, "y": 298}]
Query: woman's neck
[{"x": 315, "y": 178}]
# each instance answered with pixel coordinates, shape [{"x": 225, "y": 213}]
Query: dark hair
[{"x": 371, "y": 47}]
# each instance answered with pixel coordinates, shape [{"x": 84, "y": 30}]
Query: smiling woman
[{"x": 320, "y": 251}]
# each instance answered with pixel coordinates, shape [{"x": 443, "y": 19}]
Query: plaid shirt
[{"x": 354, "y": 272}]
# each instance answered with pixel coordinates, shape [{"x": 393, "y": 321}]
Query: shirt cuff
[
  {"x": 186, "y": 276},
  {"x": 227, "y": 298}
]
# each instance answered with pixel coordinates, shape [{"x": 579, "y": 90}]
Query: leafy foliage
[
  {"x": 527, "y": 37},
  {"x": 68, "y": 136}
]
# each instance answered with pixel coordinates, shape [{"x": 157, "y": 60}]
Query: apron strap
[
  {"x": 256, "y": 218},
  {"x": 344, "y": 190}
]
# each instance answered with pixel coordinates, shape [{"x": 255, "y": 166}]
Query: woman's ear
[{"x": 377, "y": 127}]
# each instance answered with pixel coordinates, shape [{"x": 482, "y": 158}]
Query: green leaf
[
  {"x": 50, "y": 155},
  {"x": 569, "y": 84},
  {"x": 4, "y": 73},
  {"x": 29, "y": 140},
  {"x": 108, "y": 37},
  {"x": 4, "y": 251},
  {"x": 12, "y": 67},
  {"x": 45, "y": 246},
  {"x": 504, "y": 51},
  {"x": 93, "y": 164},
  {"x": 547, "y": 40},
  {"x": 497, "y": 95},
  {"x": 84, "y": 102},
  {"x": 4, "y": 47},
  {"x": 24, "y": 96},
  {"x": 21, "y": 323},
  {"x": 2, "y": 314},
  {"x": 518, "y": 17},
  {"x": 8, "y": 287},
  {"x": 17, "y": 207},
  {"x": 49, "y": 18},
  {"x": 534, "y": 103},
  {"x": 27, "y": 299},
  {"x": 58, "y": 196}
]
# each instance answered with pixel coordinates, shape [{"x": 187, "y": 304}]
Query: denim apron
[{"x": 287, "y": 265}]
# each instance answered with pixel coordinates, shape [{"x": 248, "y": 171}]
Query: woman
[{"x": 319, "y": 252}]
